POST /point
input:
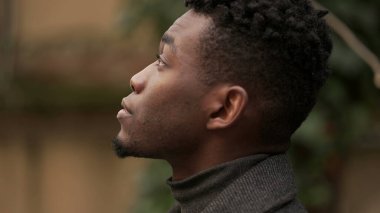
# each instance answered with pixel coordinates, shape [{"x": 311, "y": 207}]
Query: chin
[
  {"x": 123, "y": 149},
  {"x": 120, "y": 150}
]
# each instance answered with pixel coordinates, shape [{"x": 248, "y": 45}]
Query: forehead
[
  {"x": 184, "y": 33},
  {"x": 189, "y": 22}
]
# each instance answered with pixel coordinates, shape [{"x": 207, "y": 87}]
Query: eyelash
[{"x": 160, "y": 62}]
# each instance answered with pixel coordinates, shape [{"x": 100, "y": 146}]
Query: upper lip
[{"x": 125, "y": 106}]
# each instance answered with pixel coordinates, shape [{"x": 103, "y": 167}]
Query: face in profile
[{"x": 163, "y": 116}]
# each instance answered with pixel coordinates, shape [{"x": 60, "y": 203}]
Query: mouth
[
  {"x": 125, "y": 106},
  {"x": 124, "y": 112}
]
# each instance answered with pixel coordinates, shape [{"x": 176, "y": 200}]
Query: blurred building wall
[
  {"x": 43, "y": 19},
  {"x": 74, "y": 41},
  {"x": 64, "y": 163},
  {"x": 62, "y": 160},
  {"x": 359, "y": 187}
]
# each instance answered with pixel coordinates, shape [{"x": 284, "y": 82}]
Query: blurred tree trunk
[
  {"x": 6, "y": 49},
  {"x": 354, "y": 43}
]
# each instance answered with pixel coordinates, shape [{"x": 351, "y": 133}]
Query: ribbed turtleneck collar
[{"x": 195, "y": 192}]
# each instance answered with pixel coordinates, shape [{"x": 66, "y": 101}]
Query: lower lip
[{"x": 123, "y": 114}]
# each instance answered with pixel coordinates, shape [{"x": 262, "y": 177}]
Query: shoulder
[{"x": 268, "y": 186}]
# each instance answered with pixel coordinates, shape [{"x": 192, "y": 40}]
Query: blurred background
[{"x": 66, "y": 64}]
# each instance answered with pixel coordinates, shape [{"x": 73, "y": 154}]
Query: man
[{"x": 232, "y": 82}]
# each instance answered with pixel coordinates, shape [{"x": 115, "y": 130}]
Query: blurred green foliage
[
  {"x": 346, "y": 111},
  {"x": 154, "y": 194},
  {"x": 161, "y": 13}
]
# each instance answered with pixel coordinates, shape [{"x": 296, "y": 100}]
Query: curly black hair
[{"x": 277, "y": 49}]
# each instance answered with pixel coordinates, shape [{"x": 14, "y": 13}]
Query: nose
[{"x": 138, "y": 81}]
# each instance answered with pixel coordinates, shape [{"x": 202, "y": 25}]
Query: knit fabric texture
[{"x": 257, "y": 183}]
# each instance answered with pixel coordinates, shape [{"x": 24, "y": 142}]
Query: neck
[{"x": 211, "y": 154}]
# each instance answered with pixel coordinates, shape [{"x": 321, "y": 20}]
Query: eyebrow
[{"x": 169, "y": 40}]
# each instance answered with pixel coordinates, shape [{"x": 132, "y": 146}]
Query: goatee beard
[
  {"x": 119, "y": 149},
  {"x": 123, "y": 150}
]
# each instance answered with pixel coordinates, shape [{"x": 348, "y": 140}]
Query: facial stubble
[{"x": 119, "y": 149}]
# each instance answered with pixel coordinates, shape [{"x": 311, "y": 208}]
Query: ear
[{"x": 225, "y": 106}]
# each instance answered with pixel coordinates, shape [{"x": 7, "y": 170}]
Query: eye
[{"x": 160, "y": 62}]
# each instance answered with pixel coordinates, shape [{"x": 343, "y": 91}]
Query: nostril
[{"x": 131, "y": 85}]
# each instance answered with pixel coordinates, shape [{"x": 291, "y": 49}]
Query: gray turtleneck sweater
[{"x": 257, "y": 183}]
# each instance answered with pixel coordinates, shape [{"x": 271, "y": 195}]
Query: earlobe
[{"x": 227, "y": 107}]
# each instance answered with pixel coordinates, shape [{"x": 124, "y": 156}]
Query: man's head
[{"x": 243, "y": 70}]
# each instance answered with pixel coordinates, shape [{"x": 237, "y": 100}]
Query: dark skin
[{"x": 172, "y": 115}]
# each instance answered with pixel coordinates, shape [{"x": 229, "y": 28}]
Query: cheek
[
  {"x": 162, "y": 91},
  {"x": 172, "y": 106},
  {"x": 170, "y": 97}
]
